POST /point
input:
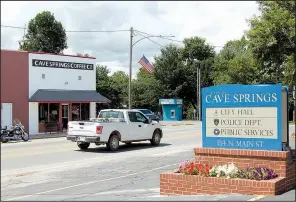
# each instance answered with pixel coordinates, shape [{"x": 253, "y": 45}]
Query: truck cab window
[
  {"x": 108, "y": 114},
  {"x": 136, "y": 117}
]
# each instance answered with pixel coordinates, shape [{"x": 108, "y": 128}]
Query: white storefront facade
[{"x": 61, "y": 88}]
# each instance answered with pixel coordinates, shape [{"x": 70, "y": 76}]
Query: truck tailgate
[{"x": 83, "y": 128}]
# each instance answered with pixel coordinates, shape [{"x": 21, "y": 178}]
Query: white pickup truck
[{"x": 113, "y": 126}]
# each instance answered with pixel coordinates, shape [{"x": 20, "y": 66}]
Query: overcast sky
[{"x": 217, "y": 21}]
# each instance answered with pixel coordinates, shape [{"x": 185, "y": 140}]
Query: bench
[{"x": 51, "y": 127}]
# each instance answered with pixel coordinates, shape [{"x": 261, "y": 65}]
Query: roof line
[
  {"x": 89, "y": 57},
  {"x": 33, "y": 52}
]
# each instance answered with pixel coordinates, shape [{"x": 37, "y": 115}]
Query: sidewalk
[
  {"x": 163, "y": 123},
  {"x": 47, "y": 135},
  {"x": 179, "y": 123}
]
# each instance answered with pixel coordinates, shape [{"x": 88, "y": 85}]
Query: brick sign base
[{"x": 282, "y": 162}]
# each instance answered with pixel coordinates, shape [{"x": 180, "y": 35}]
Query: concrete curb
[
  {"x": 184, "y": 124},
  {"x": 34, "y": 137}
]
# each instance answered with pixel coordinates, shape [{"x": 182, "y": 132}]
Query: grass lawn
[{"x": 291, "y": 122}]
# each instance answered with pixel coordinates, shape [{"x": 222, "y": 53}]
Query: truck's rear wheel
[
  {"x": 83, "y": 145},
  {"x": 156, "y": 138},
  {"x": 113, "y": 143}
]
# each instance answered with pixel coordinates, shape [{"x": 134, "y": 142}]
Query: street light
[
  {"x": 198, "y": 88},
  {"x": 130, "y": 62},
  {"x": 294, "y": 97}
]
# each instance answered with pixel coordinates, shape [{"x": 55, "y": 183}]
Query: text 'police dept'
[
  {"x": 60, "y": 64},
  {"x": 238, "y": 98}
]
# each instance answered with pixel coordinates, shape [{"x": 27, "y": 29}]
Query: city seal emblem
[
  {"x": 216, "y": 122},
  {"x": 216, "y": 132}
]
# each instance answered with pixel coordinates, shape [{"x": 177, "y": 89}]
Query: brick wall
[{"x": 177, "y": 184}]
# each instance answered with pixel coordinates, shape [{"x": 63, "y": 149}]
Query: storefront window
[
  {"x": 76, "y": 112},
  {"x": 48, "y": 112},
  {"x": 43, "y": 112},
  {"x": 84, "y": 111},
  {"x": 54, "y": 112}
]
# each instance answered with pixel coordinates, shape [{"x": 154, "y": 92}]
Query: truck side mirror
[{"x": 147, "y": 121}]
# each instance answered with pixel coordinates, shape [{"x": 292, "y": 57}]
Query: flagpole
[{"x": 130, "y": 69}]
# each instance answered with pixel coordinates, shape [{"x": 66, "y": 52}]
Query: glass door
[{"x": 65, "y": 115}]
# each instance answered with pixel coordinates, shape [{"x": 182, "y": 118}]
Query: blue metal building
[{"x": 171, "y": 109}]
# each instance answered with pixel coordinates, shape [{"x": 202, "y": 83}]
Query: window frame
[{"x": 137, "y": 121}]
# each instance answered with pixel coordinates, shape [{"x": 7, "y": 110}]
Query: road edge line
[{"x": 257, "y": 198}]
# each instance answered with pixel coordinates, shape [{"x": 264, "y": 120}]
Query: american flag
[{"x": 146, "y": 64}]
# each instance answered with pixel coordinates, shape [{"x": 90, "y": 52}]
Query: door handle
[{"x": 139, "y": 125}]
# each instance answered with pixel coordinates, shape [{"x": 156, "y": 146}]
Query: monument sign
[{"x": 242, "y": 117}]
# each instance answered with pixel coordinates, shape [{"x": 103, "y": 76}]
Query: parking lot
[{"x": 55, "y": 169}]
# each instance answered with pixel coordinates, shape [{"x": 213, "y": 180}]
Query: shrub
[
  {"x": 259, "y": 174},
  {"x": 228, "y": 170},
  {"x": 190, "y": 168},
  {"x": 183, "y": 164}
]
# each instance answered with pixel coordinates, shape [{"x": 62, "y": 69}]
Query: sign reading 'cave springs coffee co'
[{"x": 61, "y": 64}]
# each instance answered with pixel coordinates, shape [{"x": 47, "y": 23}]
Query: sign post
[{"x": 294, "y": 98}]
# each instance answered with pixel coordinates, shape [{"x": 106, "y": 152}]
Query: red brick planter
[{"x": 178, "y": 184}]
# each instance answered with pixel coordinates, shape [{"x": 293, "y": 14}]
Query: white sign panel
[{"x": 251, "y": 122}]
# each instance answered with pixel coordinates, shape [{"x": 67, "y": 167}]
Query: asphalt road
[{"x": 55, "y": 169}]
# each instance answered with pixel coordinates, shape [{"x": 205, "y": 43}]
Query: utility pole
[
  {"x": 199, "y": 92},
  {"x": 131, "y": 57},
  {"x": 197, "y": 89},
  {"x": 130, "y": 69}
]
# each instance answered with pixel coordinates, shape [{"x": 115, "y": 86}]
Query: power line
[
  {"x": 167, "y": 38},
  {"x": 159, "y": 36},
  {"x": 122, "y": 30},
  {"x": 107, "y": 31},
  {"x": 13, "y": 27},
  {"x": 150, "y": 39}
]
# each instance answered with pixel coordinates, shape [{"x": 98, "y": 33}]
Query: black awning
[{"x": 48, "y": 95}]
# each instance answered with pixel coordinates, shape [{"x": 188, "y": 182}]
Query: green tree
[
  {"x": 235, "y": 64},
  {"x": 146, "y": 91},
  {"x": 176, "y": 71},
  {"x": 196, "y": 48},
  {"x": 272, "y": 40},
  {"x": 107, "y": 87},
  {"x": 170, "y": 72},
  {"x": 120, "y": 84},
  {"x": 44, "y": 34}
]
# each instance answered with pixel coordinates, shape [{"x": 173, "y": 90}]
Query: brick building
[{"x": 40, "y": 88}]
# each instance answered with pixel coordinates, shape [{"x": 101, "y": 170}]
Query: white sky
[{"x": 218, "y": 22}]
